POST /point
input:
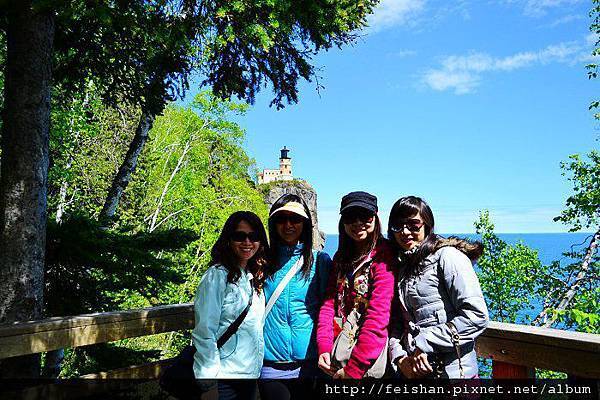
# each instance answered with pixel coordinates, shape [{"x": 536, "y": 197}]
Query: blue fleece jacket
[{"x": 290, "y": 327}]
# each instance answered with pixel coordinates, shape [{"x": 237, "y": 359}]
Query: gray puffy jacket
[{"x": 446, "y": 289}]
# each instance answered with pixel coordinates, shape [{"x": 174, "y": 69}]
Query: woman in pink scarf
[{"x": 362, "y": 278}]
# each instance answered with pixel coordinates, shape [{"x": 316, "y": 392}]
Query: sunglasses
[
  {"x": 362, "y": 216},
  {"x": 413, "y": 225},
  {"x": 241, "y": 236},
  {"x": 292, "y": 218}
]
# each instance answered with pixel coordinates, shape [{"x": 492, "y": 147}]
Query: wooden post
[{"x": 504, "y": 370}]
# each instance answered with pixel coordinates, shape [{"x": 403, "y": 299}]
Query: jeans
[
  {"x": 237, "y": 389},
  {"x": 299, "y": 383}
]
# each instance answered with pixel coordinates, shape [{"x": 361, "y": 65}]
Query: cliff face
[{"x": 300, "y": 188}]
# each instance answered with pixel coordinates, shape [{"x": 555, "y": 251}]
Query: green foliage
[
  {"x": 104, "y": 357},
  {"x": 509, "y": 274},
  {"x": 583, "y": 206},
  {"x": 250, "y": 44},
  {"x": 92, "y": 262},
  {"x": 110, "y": 58},
  {"x": 582, "y": 313},
  {"x": 593, "y": 67},
  {"x": 514, "y": 282},
  {"x": 88, "y": 142},
  {"x": 145, "y": 51},
  {"x": 193, "y": 175},
  {"x": 582, "y": 211},
  {"x": 138, "y": 51}
]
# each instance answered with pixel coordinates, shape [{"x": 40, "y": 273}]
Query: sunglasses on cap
[
  {"x": 241, "y": 236},
  {"x": 359, "y": 214},
  {"x": 292, "y": 218},
  {"x": 413, "y": 225}
]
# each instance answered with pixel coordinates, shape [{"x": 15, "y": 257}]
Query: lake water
[{"x": 550, "y": 247}]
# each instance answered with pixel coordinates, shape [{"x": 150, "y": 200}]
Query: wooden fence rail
[
  {"x": 60, "y": 332},
  {"x": 520, "y": 347}
]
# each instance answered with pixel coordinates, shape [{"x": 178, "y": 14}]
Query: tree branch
[
  {"x": 186, "y": 148},
  {"x": 547, "y": 319}
]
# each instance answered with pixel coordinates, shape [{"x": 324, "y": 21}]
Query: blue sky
[{"x": 469, "y": 104}]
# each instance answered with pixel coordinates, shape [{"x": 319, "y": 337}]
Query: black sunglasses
[
  {"x": 363, "y": 216},
  {"x": 241, "y": 236},
  {"x": 413, "y": 225},
  {"x": 292, "y": 218}
]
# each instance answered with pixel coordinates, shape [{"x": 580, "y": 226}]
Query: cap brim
[
  {"x": 292, "y": 207},
  {"x": 359, "y": 204}
]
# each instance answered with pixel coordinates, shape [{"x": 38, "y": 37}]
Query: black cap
[{"x": 359, "y": 199}]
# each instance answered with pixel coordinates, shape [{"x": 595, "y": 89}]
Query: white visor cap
[{"x": 292, "y": 206}]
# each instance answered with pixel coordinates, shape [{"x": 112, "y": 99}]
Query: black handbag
[{"x": 178, "y": 379}]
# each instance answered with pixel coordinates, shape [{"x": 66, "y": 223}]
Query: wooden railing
[{"x": 515, "y": 350}]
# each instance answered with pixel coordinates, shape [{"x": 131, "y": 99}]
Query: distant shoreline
[
  {"x": 504, "y": 233},
  {"x": 550, "y": 246}
]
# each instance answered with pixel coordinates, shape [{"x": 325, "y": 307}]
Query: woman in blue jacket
[{"x": 295, "y": 283}]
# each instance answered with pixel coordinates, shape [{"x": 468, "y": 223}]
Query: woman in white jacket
[{"x": 235, "y": 275}]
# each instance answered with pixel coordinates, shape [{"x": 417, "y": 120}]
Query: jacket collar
[{"x": 289, "y": 251}]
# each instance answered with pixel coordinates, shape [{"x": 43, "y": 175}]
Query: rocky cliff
[{"x": 275, "y": 190}]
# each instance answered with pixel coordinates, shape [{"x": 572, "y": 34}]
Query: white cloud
[
  {"x": 462, "y": 82},
  {"x": 403, "y": 53},
  {"x": 463, "y": 73},
  {"x": 564, "y": 20},
  {"x": 538, "y": 8},
  {"x": 391, "y": 13},
  {"x": 591, "y": 39}
]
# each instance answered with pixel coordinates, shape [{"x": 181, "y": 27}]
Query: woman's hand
[
  {"x": 325, "y": 363},
  {"x": 406, "y": 366},
  {"x": 341, "y": 374},
  {"x": 210, "y": 394},
  {"x": 421, "y": 364}
]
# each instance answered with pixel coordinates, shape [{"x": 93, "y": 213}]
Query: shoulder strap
[
  {"x": 317, "y": 258},
  {"x": 286, "y": 279},
  {"x": 231, "y": 329},
  {"x": 456, "y": 342}
]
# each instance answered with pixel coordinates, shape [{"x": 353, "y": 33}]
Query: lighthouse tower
[
  {"x": 285, "y": 165},
  {"x": 284, "y": 173}
]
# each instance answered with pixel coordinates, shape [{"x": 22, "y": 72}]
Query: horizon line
[{"x": 501, "y": 233}]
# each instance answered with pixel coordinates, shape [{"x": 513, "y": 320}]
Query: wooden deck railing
[{"x": 515, "y": 349}]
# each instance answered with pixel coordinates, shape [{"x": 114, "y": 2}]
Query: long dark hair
[
  {"x": 306, "y": 238},
  {"x": 408, "y": 207},
  {"x": 347, "y": 255},
  {"x": 222, "y": 253}
]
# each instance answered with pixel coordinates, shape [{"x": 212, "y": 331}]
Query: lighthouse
[
  {"x": 285, "y": 165},
  {"x": 284, "y": 173}
]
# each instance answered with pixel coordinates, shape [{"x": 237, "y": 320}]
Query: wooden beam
[
  {"x": 75, "y": 389},
  {"x": 533, "y": 347},
  {"x": 145, "y": 371},
  {"x": 544, "y": 336},
  {"x": 54, "y": 333},
  {"x": 526, "y": 346}
]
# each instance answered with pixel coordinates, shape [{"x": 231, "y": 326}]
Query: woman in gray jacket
[{"x": 439, "y": 308}]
